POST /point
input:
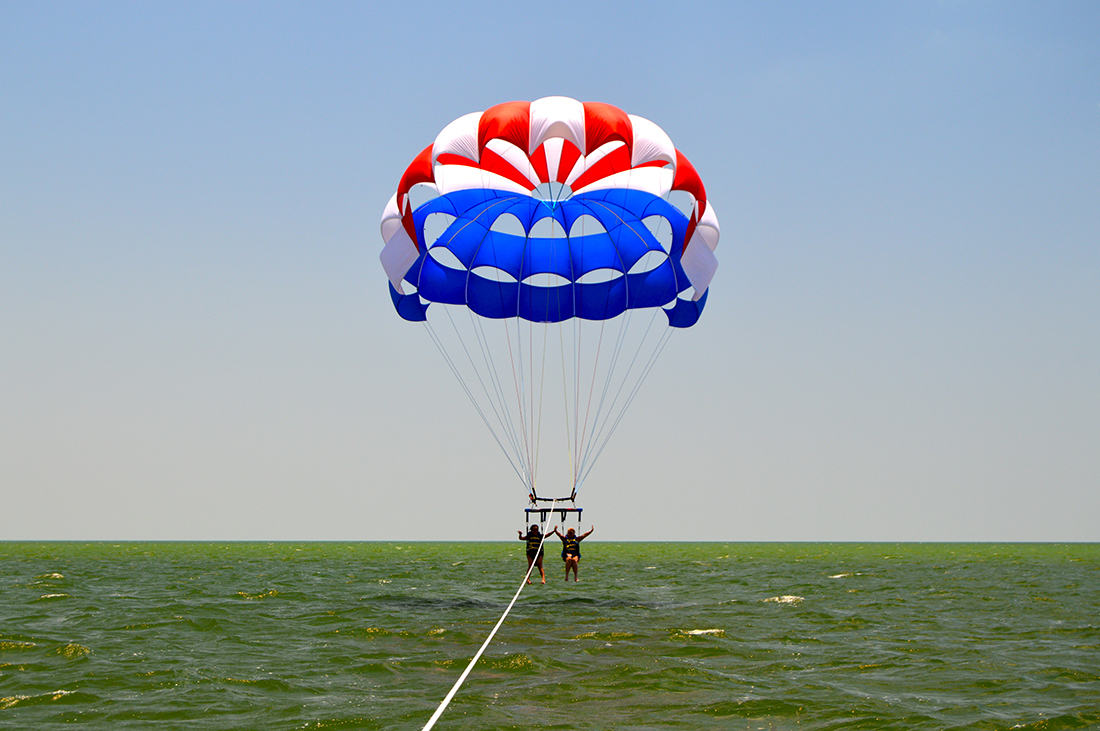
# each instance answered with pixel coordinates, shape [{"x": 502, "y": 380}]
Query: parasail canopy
[{"x": 550, "y": 243}]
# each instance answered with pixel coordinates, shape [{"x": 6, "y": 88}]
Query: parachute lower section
[{"x": 591, "y": 257}]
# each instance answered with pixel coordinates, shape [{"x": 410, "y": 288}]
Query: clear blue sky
[{"x": 902, "y": 341}]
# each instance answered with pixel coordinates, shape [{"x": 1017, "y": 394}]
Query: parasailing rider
[
  {"x": 534, "y": 549},
  {"x": 571, "y": 549}
]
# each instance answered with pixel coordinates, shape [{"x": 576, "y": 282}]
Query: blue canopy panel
[
  {"x": 597, "y": 301},
  {"x": 615, "y": 251}
]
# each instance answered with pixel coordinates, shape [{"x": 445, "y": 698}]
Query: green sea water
[{"x": 654, "y": 636}]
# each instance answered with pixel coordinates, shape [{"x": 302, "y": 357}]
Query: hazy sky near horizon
[{"x": 902, "y": 341}]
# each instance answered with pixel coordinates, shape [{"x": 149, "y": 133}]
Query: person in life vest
[
  {"x": 571, "y": 549},
  {"x": 534, "y": 550}
]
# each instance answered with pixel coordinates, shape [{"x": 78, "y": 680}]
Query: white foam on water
[{"x": 16, "y": 699}]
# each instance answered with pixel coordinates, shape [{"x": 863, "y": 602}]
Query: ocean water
[{"x": 654, "y": 636}]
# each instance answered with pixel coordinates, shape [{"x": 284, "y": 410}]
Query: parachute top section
[
  {"x": 560, "y": 152},
  {"x": 524, "y": 146}
]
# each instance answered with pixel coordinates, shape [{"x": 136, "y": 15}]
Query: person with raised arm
[
  {"x": 571, "y": 549},
  {"x": 534, "y": 550}
]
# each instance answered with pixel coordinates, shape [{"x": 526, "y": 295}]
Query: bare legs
[
  {"x": 571, "y": 562},
  {"x": 537, "y": 562}
]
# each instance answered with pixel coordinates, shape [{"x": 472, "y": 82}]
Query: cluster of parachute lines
[
  {"x": 551, "y": 394},
  {"x": 550, "y": 249}
]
